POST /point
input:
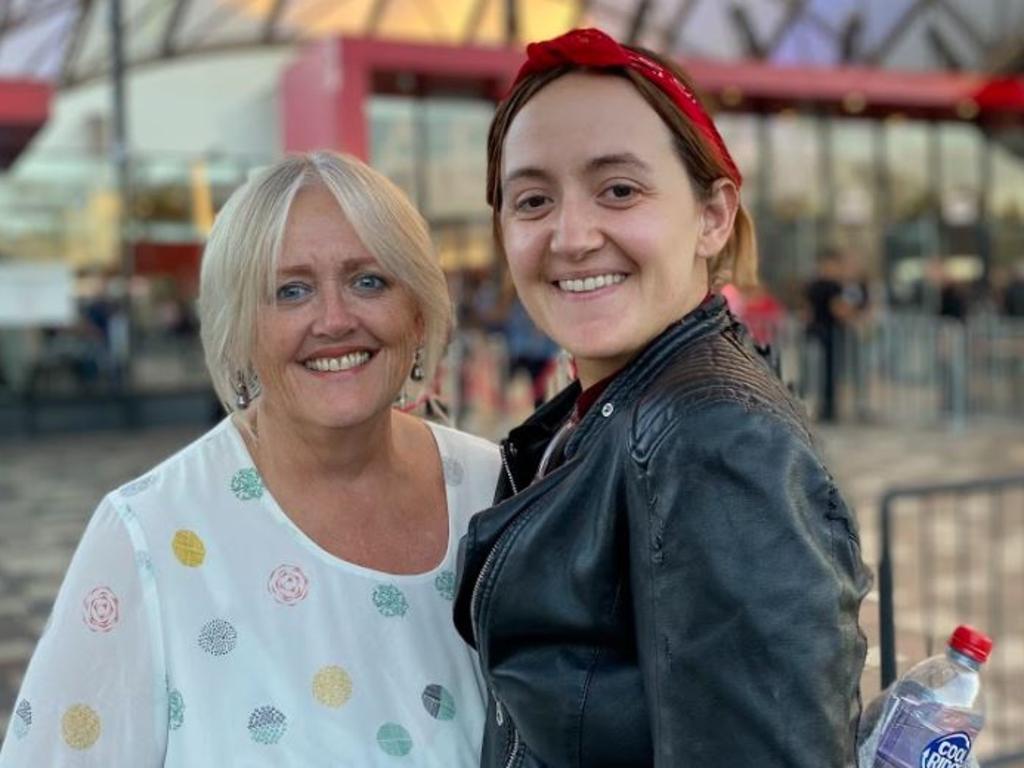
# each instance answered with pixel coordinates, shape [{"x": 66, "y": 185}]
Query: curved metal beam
[
  {"x": 173, "y": 25},
  {"x": 897, "y": 31},
  {"x": 273, "y": 18},
  {"x": 636, "y": 25},
  {"x": 77, "y": 37}
]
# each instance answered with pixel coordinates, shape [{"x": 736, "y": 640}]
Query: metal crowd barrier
[
  {"x": 953, "y": 554},
  {"x": 910, "y": 368}
]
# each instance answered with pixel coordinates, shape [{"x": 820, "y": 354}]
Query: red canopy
[{"x": 24, "y": 109}]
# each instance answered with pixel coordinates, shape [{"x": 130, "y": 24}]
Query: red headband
[{"x": 593, "y": 48}]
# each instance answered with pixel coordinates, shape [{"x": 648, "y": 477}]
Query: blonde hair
[
  {"x": 737, "y": 261},
  {"x": 240, "y": 259}
]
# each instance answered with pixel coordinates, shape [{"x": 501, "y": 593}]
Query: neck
[
  {"x": 283, "y": 448},
  {"x": 591, "y": 371}
]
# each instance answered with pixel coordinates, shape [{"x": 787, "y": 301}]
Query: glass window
[
  {"x": 907, "y": 160},
  {"x": 796, "y": 184},
  {"x": 740, "y": 133}
]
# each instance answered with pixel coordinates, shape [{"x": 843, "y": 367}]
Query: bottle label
[{"x": 949, "y": 751}]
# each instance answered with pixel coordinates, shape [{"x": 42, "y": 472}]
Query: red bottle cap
[{"x": 971, "y": 643}]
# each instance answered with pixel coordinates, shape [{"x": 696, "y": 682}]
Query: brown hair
[{"x": 737, "y": 261}]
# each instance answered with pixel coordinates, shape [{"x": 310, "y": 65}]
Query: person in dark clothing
[
  {"x": 828, "y": 310},
  {"x": 669, "y": 576},
  {"x": 1013, "y": 295}
]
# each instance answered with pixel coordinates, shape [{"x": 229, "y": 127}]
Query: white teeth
[
  {"x": 343, "y": 363},
  {"x": 588, "y": 284}
]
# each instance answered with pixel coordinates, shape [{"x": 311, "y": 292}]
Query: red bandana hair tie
[{"x": 593, "y": 48}]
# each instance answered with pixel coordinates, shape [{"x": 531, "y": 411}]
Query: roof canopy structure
[{"x": 66, "y": 42}]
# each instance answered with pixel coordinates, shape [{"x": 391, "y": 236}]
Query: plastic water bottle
[{"x": 933, "y": 714}]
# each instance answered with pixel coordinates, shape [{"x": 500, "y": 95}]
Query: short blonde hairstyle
[{"x": 240, "y": 260}]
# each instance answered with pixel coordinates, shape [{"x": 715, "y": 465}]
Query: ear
[{"x": 718, "y": 213}]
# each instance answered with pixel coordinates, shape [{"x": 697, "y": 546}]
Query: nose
[
  {"x": 577, "y": 230},
  {"x": 334, "y": 316}
]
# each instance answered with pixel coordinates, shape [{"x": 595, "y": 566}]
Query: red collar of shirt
[{"x": 593, "y": 393}]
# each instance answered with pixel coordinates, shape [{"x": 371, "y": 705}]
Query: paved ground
[{"x": 48, "y": 487}]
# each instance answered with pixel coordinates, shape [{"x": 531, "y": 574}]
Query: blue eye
[
  {"x": 292, "y": 292},
  {"x": 370, "y": 283}
]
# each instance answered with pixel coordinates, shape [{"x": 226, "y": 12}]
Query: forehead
[
  {"x": 581, "y": 115},
  {"x": 317, "y": 227}
]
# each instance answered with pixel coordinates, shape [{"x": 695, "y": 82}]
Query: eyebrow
[
  {"x": 622, "y": 158},
  {"x": 599, "y": 163},
  {"x": 305, "y": 268}
]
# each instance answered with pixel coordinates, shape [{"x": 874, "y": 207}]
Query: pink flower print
[
  {"x": 288, "y": 584},
  {"x": 100, "y": 610}
]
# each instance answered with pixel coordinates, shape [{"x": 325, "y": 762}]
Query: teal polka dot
[
  {"x": 22, "y": 719},
  {"x": 394, "y": 740},
  {"x": 136, "y": 487},
  {"x": 247, "y": 484},
  {"x": 444, "y": 583},
  {"x": 267, "y": 725},
  {"x": 438, "y": 702},
  {"x": 389, "y": 600},
  {"x": 175, "y": 710}
]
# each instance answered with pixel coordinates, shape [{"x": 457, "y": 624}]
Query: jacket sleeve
[
  {"x": 95, "y": 692},
  {"x": 746, "y": 581}
]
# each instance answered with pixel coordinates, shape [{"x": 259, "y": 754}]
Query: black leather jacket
[{"x": 683, "y": 590}]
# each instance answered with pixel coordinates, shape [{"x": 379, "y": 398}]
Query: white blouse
[{"x": 198, "y": 626}]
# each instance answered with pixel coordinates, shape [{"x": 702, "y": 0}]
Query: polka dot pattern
[
  {"x": 80, "y": 726},
  {"x": 247, "y": 484},
  {"x": 145, "y": 564},
  {"x": 175, "y": 710},
  {"x": 453, "y": 471},
  {"x": 389, "y": 600},
  {"x": 22, "y": 719},
  {"x": 288, "y": 584},
  {"x": 438, "y": 702},
  {"x": 267, "y": 725},
  {"x": 188, "y": 548},
  {"x": 218, "y": 637},
  {"x": 136, "y": 487},
  {"x": 444, "y": 583},
  {"x": 100, "y": 610},
  {"x": 332, "y": 686},
  {"x": 394, "y": 740}
]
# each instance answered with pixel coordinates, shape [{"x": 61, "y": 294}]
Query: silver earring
[
  {"x": 417, "y": 373},
  {"x": 243, "y": 392}
]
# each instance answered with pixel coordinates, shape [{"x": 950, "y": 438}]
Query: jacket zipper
[
  {"x": 474, "y": 599},
  {"x": 474, "y": 604},
  {"x": 515, "y": 743},
  {"x": 508, "y": 470}
]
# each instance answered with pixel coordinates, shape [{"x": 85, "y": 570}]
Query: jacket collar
[{"x": 526, "y": 441}]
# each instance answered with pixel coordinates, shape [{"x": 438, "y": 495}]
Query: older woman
[
  {"x": 671, "y": 577},
  {"x": 279, "y": 592}
]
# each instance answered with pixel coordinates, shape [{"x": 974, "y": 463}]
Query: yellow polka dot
[
  {"x": 332, "y": 686},
  {"x": 80, "y": 726},
  {"x": 188, "y": 548}
]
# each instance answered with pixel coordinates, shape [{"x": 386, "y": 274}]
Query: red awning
[
  {"x": 24, "y": 109},
  {"x": 754, "y": 85}
]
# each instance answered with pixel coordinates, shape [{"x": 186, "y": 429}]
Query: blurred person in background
[
  {"x": 756, "y": 307},
  {"x": 279, "y": 592},
  {"x": 828, "y": 313},
  {"x": 1013, "y": 293},
  {"x": 529, "y": 350},
  {"x": 670, "y": 576}
]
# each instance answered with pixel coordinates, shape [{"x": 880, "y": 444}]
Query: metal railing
[
  {"x": 954, "y": 553},
  {"x": 910, "y": 368}
]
